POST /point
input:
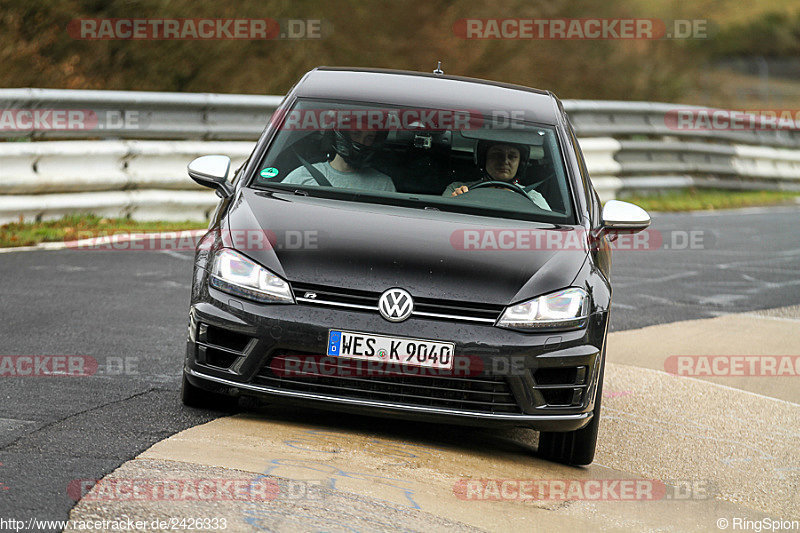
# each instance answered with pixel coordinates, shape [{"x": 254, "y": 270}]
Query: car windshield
[{"x": 450, "y": 160}]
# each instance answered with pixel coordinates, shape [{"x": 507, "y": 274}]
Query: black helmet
[
  {"x": 355, "y": 154},
  {"x": 482, "y": 147}
]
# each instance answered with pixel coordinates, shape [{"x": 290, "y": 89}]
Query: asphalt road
[
  {"x": 709, "y": 264},
  {"x": 127, "y": 310}
]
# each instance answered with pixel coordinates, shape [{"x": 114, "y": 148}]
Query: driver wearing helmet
[
  {"x": 350, "y": 167},
  {"x": 499, "y": 161}
]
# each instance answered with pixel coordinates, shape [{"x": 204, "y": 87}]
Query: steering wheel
[{"x": 510, "y": 186}]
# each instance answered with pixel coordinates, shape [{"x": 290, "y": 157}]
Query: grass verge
[
  {"x": 73, "y": 227},
  {"x": 705, "y": 199}
]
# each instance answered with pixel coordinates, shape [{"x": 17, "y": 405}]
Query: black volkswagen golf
[{"x": 411, "y": 245}]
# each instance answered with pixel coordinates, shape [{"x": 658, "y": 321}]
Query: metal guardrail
[
  {"x": 145, "y": 180},
  {"x": 141, "y": 115},
  {"x": 630, "y": 119},
  {"x": 114, "y": 166},
  {"x": 209, "y": 116}
]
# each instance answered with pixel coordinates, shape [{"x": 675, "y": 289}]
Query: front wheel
[{"x": 574, "y": 447}]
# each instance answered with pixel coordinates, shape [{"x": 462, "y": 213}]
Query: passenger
[
  {"x": 350, "y": 167},
  {"x": 499, "y": 161}
]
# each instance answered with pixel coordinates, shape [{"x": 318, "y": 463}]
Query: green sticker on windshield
[{"x": 270, "y": 172}]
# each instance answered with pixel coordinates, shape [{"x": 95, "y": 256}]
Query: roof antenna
[{"x": 439, "y": 70}]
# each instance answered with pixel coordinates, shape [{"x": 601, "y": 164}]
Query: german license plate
[{"x": 398, "y": 350}]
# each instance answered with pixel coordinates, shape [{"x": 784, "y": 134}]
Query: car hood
[{"x": 372, "y": 247}]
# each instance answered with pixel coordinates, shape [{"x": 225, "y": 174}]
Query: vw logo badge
[{"x": 395, "y": 305}]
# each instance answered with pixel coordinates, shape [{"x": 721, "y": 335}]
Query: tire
[
  {"x": 574, "y": 447},
  {"x": 192, "y": 396}
]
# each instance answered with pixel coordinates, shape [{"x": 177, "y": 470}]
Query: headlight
[
  {"x": 235, "y": 274},
  {"x": 564, "y": 309}
]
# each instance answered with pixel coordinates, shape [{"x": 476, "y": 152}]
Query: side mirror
[
  {"x": 212, "y": 171},
  {"x": 624, "y": 217}
]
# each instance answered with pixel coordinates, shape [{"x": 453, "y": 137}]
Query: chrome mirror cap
[{"x": 624, "y": 216}]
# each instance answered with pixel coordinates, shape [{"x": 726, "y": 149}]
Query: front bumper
[
  {"x": 544, "y": 381},
  {"x": 389, "y": 409}
]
